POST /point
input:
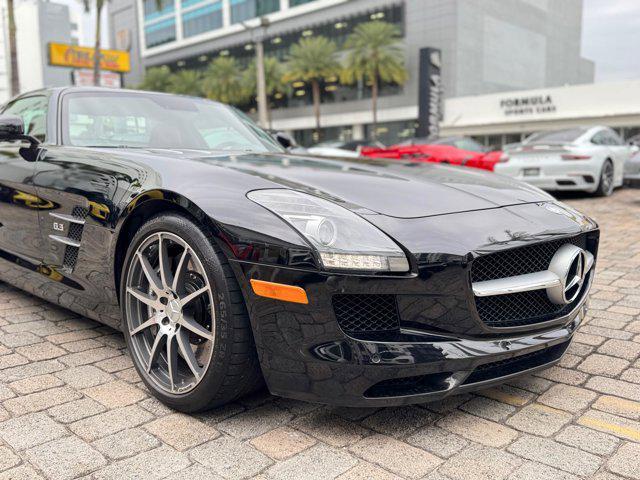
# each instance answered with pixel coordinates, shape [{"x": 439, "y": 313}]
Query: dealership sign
[
  {"x": 527, "y": 105},
  {"x": 64, "y": 55},
  {"x": 430, "y": 93}
]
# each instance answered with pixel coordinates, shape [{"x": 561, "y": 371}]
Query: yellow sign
[{"x": 63, "y": 55}]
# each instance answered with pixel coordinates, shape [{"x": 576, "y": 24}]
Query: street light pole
[{"x": 261, "y": 82}]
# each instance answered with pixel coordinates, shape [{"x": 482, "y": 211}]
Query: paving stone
[
  {"x": 385, "y": 451},
  {"x": 36, "y": 402},
  {"x": 563, "y": 375},
  {"x": 621, "y": 348},
  {"x": 130, "y": 375},
  {"x": 12, "y": 360},
  {"x": 606, "y": 365},
  {"x": 13, "y": 340},
  {"x": 5, "y": 392},
  {"x": 126, "y": 443},
  {"x": 41, "y": 351},
  {"x": 626, "y": 461},
  {"x": 567, "y": 397},
  {"x": 254, "y": 422},
  {"x": 154, "y": 464},
  {"x": 29, "y": 370},
  {"x": 438, "y": 441},
  {"x": 610, "y": 386},
  {"x": 605, "y": 422},
  {"x": 115, "y": 364},
  {"x": 230, "y": 458},
  {"x": 181, "y": 431},
  {"x": 449, "y": 404},
  {"x": 367, "y": 471},
  {"x": 8, "y": 459},
  {"x": 618, "y": 406},
  {"x": 318, "y": 463},
  {"x": 110, "y": 422},
  {"x": 538, "y": 471},
  {"x": 89, "y": 356},
  {"x": 282, "y": 443},
  {"x": 478, "y": 429},
  {"x": 76, "y": 410},
  {"x": 30, "y": 430},
  {"x": 23, "y": 472},
  {"x": 35, "y": 384},
  {"x": 195, "y": 472},
  {"x": 156, "y": 407},
  {"x": 488, "y": 408},
  {"x": 399, "y": 422},
  {"x": 84, "y": 377},
  {"x": 72, "y": 336},
  {"x": 588, "y": 440},
  {"x": 479, "y": 463},
  {"x": 329, "y": 428},
  {"x": 65, "y": 458},
  {"x": 81, "y": 345},
  {"x": 539, "y": 420},
  {"x": 115, "y": 394},
  {"x": 556, "y": 455}
]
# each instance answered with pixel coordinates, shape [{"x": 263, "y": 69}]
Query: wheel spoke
[
  {"x": 193, "y": 326},
  {"x": 143, "y": 297},
  {"x": 165, "y": 264},
  {"x": 187, "y": 353},
  {"x": 185, "y": 300},
  {"x": 143, "y": 326},
  {"x": 172, "y": 362},
  {"x": 181, "y": 269},
  {"x": 149, "y": 272},
  {"x": 155, "y": 350}
]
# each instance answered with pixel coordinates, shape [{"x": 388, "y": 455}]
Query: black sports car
[{"x": 227, "y": 262}]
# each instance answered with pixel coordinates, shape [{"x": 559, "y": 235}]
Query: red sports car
[{"x": 452, "y": 150}]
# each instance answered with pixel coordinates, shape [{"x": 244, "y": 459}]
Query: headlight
[{"x": 344, "y": 240}]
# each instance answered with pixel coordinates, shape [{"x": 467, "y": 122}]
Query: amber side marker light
[{"x": 279, "y": 291}]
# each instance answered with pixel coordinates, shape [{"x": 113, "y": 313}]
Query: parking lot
[{"x": 71, "y": 404}]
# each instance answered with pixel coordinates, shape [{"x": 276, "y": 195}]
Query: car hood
[{"x": 392, "y": 188}]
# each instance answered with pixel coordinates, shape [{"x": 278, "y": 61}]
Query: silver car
[{"x": 589, "y": 159}]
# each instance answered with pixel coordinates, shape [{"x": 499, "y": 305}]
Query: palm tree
[
  {"x": 157, "y": 79},
  {"x": 96, "y": 53},
  {"x": 311, "y": 60},
  {"x": 186, "y": 82},
  {"x": 223, "y": 81},
  {"x": 13, "y": 52},
  {"x": 274, "y": 72},
  {"x": 374, "y": 53}
]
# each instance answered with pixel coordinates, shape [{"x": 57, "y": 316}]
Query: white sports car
[{"x": 589, "y": 159}]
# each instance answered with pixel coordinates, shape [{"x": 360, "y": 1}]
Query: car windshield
[
  {"x": 146, "y": 120},
  {"x": 558, "y": 136},
  {"x": 463, "y": 143}
]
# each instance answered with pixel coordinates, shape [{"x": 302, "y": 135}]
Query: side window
[
  {"x": 600, "y": 138},
  {"x": 614, "y": 139},
  {"x": 33, "y": 111}
]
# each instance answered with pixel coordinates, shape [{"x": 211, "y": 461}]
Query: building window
[
  {"x": 242, "y": 10},
  {"x": 201, "y": 19},
  {"x": 160, "y": 32},
  {"x": 391, "y": 133},
  {"x": 295, "y": 3},
  {"x": 151, "y": 10}
]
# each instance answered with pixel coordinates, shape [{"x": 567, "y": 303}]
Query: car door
[
  {"x": 620, "y": 154},
  {"x": 20, "y": 240}
]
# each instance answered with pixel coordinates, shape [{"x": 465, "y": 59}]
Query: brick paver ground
[{"x": 72, "y": 406}]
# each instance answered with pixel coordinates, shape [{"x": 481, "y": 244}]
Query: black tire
[
  {"x": 606, "y": 181},
  {"x": 233, "y": 369}
]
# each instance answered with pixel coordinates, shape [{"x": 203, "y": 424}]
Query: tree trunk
[
  {"x": 96, "y": 53},
  {"x": 374, "y": 107},
  {"x": 13, "y": 52},
  {"x": 315, "y": 90}
]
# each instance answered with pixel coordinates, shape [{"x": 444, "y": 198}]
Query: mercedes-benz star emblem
[{"x": 571, "y": 265}]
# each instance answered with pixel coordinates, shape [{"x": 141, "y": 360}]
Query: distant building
[{"x": 487, "y": 46}]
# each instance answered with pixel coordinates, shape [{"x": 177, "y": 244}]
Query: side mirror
[
  {"x": 11, "y": 128},
  {"x": 284, "y": 139}
]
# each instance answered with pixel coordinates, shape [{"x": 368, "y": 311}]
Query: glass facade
[
  {"x": 242, "y": 10},
  {"x": 199, "y": 17},
  {"x": 295, "y": 3},
  {"x": 391, "y": 133},
  {"x": 159, "y": 22}
]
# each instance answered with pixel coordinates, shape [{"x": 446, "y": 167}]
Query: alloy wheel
[
  {"x": 170, "y": 312},
  {"x": 607, "y": 178}
]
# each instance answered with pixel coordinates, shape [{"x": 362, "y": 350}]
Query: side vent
[{"x": 75, "y": 227}]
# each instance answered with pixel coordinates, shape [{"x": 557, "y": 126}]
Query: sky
[{"x": 611, "y": 38}]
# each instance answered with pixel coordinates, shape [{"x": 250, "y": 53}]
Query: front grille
[
  {"x": 509, "y": 366},
  {"x": 366, "y": 313},
  {"x": 523, "y": 308},
  {"x": 520, "y": 260}
]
